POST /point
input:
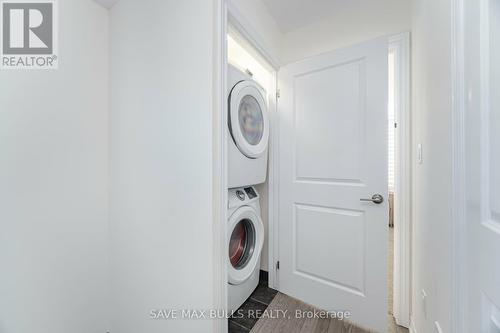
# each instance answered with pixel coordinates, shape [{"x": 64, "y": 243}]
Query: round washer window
[
  {"x": 251, "y": 120},
  {"x": 242, "y": 244}
]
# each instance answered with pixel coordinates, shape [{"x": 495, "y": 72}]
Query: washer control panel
[
  {"x": 250, "y": 191},
  {"x": 242, "y": 195}
]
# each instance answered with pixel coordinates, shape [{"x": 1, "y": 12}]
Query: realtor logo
[{"x": 28, "y": 34}]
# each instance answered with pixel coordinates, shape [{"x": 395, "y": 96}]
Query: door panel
[
  {"x": 339, "y": 88},
  {"x": 316, "y": 237},
  {"x": 333, "y": 152}
]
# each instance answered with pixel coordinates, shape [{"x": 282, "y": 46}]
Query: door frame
[
  {"x": 228, "y": 18},
  {"x": 400, "y": 46},
  {"x": 459, "y": 231},
  {"x": 219, "y": 164}
]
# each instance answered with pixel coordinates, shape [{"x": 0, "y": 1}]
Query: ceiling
[{"x": 294, "y": 14}]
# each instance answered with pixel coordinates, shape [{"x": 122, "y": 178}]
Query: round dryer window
[
  {"x": 248, "y": 119},
  {"x": 251, "y": 120}
]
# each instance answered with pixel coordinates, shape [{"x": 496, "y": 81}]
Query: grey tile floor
[{"x": 259, "y": 300}]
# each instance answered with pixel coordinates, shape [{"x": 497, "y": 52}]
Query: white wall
[
  {"x": 161, "y": 162},
  {"x": 352, "y": 23},
  {"x": 53, "y": 176},
  {"x": 432, "y": 224}
]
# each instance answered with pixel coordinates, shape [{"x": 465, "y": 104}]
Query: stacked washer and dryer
[{"x": 248, "y": 126}]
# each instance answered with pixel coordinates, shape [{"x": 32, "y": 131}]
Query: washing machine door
[
  {"x": 248, "y": 119},
  {"x": 246, "y": 238}
]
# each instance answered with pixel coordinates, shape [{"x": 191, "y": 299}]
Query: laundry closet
[{"x": 249, "y": 126}]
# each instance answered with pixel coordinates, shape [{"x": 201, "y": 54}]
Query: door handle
[{"x": 376, "y": 198}]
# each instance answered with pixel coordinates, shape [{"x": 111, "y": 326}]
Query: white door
[
  {"x": 333, "y": 153},
  {"x": 482, "y": 139}
]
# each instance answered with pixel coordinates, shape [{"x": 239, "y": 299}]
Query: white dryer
[
  {"x": 248, "y": 125},
  {"x": 245, "y": 241}
]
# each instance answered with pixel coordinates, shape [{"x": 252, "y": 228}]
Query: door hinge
[
  {"x": 277, "y": 265},
  {"x": 395, "y": 125},
  {"x": 278, "y": 93}
]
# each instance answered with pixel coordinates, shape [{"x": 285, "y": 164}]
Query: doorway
[
  {"x": 399, "y": 51},
  {"x": 399, "y": 181}
]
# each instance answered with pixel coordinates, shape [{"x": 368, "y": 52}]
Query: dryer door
[
  {"x": 246, "y": 238},
  {"x": 248, "y": 119}
]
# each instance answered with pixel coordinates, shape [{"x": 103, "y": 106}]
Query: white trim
[
  {"x": 219, "y": 181},
  {"x": 400, "y": 45},
  {"x": 458, "y": 167},
  {"x": 273, "y": 188},
  {"x": 484, "y": 32}
]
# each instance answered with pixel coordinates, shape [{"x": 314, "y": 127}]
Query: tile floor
[{"x": 259, "y": 300}]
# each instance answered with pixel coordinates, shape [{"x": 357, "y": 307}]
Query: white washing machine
[
  {"x": 248, "y": 125},
  {"x": 245, "y": 241}
]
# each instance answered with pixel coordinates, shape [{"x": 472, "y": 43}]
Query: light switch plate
[{"x": 420, "y": 158}]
